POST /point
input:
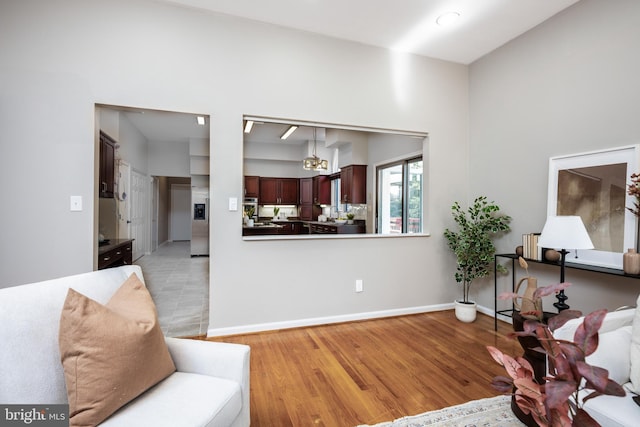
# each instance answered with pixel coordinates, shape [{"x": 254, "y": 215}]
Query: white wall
[
  {"x": 169, "y": 158},
  {"x": 134, "y": 147},
  {"x": 568, "y": 86},
  {"x": 57, "y": 65}
]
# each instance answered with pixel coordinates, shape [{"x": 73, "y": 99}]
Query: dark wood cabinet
[
  {"x": 251, "y": 186},
  {"x": 306, "y": 191},
  {"x": 329, "y": 228},
  {"x": 115, "y": 253},
  {"x": 107, "y": 166},
  {"x": 289, "y": 191},
  {"x": 353, "y": 184},
  {"x": 309, "y": 208},
  {"x": 322, "y": 190},
  {"x": 291, "y": 227},
  {"x": 278, "y": 191}
]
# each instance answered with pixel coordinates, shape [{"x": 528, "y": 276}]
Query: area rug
[{"x": 490, "y": 412}]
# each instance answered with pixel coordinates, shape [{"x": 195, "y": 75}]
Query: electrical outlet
[{"x": 359, "y": 285}]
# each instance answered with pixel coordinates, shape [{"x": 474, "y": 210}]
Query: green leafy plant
[
  {"x": 249, "y": 211},
  {"x": 472, "y": 244},
  {"x": 350, "y": 216},
  {"x": 276, "y": 210},
  {"x": 555, "y": 402}
]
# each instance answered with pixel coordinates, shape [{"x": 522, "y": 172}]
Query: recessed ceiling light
[
  {"x": 248, "y": 126},
  {"x": 447, "y": 18},
  {"x": 201, "y": 120}
]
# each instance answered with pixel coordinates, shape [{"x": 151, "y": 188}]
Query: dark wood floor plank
[{"x": 370, "y": 371}]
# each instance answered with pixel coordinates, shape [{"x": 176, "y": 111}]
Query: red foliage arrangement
[
  {"x": 555, "y": 402},
  {"x": 633, "y": 189}
]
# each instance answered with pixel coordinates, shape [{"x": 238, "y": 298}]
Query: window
[
  {"x": 399, "y": 201},
  {"x": 335, "y": 190}
]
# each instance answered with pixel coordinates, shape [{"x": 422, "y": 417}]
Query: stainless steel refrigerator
[{"x": 200, "y": 221}]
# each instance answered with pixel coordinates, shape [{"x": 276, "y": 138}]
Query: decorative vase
[
  {"x": 519, "y": 250},
  {"x": 466, "y": 311},
  {"x": 250, "y": 222},
  {"x": 631, "y": 262},
  {"x": 529, "y": 302},
  {"x": 552, "y": 255}
]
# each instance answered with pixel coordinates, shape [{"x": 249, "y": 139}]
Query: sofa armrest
[
  {"x": 217, "y": 359},
  {"x": 222, "y": 360},
  {"x": 612, "y": 321}
]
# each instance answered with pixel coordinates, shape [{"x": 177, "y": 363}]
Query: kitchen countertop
[
  {"x": 270, "y": 225},
  {"x": 113, "y": 243}
]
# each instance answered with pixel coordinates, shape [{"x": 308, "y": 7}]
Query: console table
[{"x": 514, "y": 257}]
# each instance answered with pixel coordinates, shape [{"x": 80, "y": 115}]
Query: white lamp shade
[{"x": 565, "y": 232}]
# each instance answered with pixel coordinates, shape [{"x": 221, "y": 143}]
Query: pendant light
[{"x": 314, "y": 162}]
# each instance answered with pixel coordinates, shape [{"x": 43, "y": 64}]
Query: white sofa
[
  {"x": 613, "y": 354},
  {"x": 31, "y": 371}
]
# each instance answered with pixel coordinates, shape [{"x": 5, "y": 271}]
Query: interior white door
[
  {"x": 180, "y": 214},
  {"x": 139, "y": 213}
]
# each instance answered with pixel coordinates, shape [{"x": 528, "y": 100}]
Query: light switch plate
[
  {"x": 233, "y": 203},
  {"x": 75, "y": 203}
]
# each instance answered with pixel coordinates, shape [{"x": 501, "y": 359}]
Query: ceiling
[{"x": 483, "y": 26}]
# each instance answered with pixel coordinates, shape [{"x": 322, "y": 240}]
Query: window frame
[{"x": 404, "y": 162}]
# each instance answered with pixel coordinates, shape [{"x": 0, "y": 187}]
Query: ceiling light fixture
[
  {"x": 447, "y": 19},
  {"x": 201, "y": 120},
  {"x": 314, "y": 162},
  {"x": 247, "y": 126},
  {"x": 289, "y": 132}
]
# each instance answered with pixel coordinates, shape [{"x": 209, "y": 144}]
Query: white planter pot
[{"x": 466, "y": 312}]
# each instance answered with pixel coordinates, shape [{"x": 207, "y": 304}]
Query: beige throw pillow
[{"x": 110, "y": 353}]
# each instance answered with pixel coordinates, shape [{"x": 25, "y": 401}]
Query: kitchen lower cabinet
[
  {"x": 291, "y": 227},
  {"x": 330, "y": 228},
  {"x": 115, "y": 253}
]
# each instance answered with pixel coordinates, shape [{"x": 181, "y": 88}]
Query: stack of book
[{"x": 530, "y": 248}]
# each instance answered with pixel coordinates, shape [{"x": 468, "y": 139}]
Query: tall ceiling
[
  {"x": 408, "y": 25},
  {"x": 483, "y": 26}
]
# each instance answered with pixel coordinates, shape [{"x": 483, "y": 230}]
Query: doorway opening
[{"x": 158, "y": 157}]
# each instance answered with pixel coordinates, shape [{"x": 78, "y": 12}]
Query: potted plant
[
  {"x": 350, "y": 217},
  {"x": 473, "y": 247},
  {"x": 555, "y": 400},
  {"x": 248, "y": 218}
]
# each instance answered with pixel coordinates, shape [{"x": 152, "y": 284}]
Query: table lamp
[{"x": 562, "y": 232}]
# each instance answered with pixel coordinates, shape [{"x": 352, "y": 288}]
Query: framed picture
[{"x": 593, "y": 186}]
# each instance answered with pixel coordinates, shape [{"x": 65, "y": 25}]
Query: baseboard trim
[{"x": 289, "y": 324}]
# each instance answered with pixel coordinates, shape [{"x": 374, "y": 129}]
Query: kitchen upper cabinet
[
  {"x": 307, "y": 210},
  {"x": 289, "y": 191},
  {"x": 306, "y": 191},
  {"x": 353, "y": 184},
  {"x": 251, "y": 186},
  {"x": 278, "y": 191},
  {"x": 107, "y": 165},
  {"x": 321, "y": 190}
]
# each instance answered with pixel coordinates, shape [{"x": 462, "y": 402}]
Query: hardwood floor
[{"x": 371, "y": 371}]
